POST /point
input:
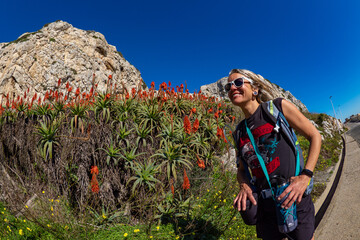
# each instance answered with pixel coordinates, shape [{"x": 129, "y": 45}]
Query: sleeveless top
[{"x": 275, "y": 149}]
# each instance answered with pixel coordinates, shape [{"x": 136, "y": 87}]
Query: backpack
[{"x": 281, "y": 124}]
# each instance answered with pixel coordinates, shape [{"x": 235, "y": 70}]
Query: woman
[{"x": 245, "y": 89}]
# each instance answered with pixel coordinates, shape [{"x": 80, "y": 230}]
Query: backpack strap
[
  {"x": 236, "y": 136},
  {"x": 281, "y": 123},
  {"x": 260, "y": 158}
]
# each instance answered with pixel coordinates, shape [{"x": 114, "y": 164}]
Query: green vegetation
[{"x": 137, "y": 165}]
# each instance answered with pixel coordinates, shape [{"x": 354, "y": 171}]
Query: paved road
[{"x": 342, "y": 218}]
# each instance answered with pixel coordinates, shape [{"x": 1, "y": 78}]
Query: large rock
[
  {"x": 37, "y": 60},
  {"x": 217, "y": 89}
]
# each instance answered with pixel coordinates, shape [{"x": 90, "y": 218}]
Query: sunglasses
[{"x": 237, "y": 82}]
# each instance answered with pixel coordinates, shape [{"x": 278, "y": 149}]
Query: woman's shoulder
[{"x": 277, "y": 102}]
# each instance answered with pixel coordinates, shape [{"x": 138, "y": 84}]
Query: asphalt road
[
  {"x": 342, "y": 218},
  {"x": 354, "y": 131}
]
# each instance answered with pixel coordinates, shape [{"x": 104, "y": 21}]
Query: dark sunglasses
[{"x": 237, "y": 82}]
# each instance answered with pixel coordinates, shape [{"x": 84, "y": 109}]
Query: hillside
[{"x": 37, "y": 61}]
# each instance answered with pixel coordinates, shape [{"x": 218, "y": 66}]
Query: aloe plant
[
  {"x": 144, "y": 175},
  {"x": 112, "y": 152},
  {"x": 129, "y": 155},
  {"x": 78, "y": 113},
  {"x": 172, "y": 157},
  {"x": 122, "y": 133},
  {"x": 150, "y": 115},
  {"x": 102, "y": 106},
  {"x": 143, "y": 134},
  {"x": 47, "y": 131}
]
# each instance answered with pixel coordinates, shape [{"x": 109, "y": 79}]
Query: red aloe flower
[
  {"x": 77, "y": 93},
  {"x": 195, "y": 125},
  {"x": 110, "y": 76},
  {"x": 200, "y": 162},
  {"x": 186, "y": 184},
  {"x": 94, "y": 184},
  {"x": 59, "y": 82},
  {"x": 219, "y": 133},
  {"x": 94, "y": 170},
  {"x": 172, "y": 189},
  {"x": 67, "y": 85},
  {"x": 187, "y": 125},
  {"x": 152, "y": 85}
]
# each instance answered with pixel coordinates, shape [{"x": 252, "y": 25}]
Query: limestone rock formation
[
  {"x": 39, "y": 59},
  {"x": 217, "y": 89}
]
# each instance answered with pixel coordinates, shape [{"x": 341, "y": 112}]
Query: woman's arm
[
  {"x": 303, "y": 126},
  {"x": 245, "y": 190}
]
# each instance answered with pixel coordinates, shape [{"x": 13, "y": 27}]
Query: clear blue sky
[{"x": 311, "y": 48}]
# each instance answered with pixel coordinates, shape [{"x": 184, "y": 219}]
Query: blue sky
[{"x": 311, "y": 48}]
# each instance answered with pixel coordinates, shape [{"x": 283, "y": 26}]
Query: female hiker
[{"x": 245, "y": 89}]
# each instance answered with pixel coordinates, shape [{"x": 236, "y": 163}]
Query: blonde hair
[{"x": 258, "y": 82}]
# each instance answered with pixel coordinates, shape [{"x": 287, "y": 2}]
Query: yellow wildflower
[
  {"x": 52, "y": 209},
  {"x": 136, "y": 230},
  {"x": 224, "y": 200},
  {"x": 29, "y": 229},
  {"x": 26, "y": 206},
  {"x": 125, "y": 234},
  {"x": 21, "y": 232},
  {"x": 103, "y": 216},
  {"x": 157, "y": 228}
]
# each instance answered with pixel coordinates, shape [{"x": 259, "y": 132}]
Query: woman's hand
[
  {"x": 245, "y": 193},
  {"x": 296, "y": 190}
]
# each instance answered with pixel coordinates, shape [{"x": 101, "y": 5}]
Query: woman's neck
[{"x": 249, "y": 108}]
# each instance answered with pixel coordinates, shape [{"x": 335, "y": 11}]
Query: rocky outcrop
[
  {"x": 353, "y": 118},
  {"x": 217, "y": 89},
  {"x": 39, "y": 59}
]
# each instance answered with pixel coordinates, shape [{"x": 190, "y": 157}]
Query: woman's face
[{"x": 240, "y": 95}]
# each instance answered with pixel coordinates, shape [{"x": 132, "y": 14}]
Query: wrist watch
[{"x": 307, "y": 172}]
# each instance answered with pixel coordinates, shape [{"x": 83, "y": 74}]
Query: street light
[{"x": 335, "y": 114}]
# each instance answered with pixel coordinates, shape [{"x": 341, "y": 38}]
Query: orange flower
[
  {"x": 110, "y": 76},
  {"x": 196, "y": 125},
  {"x": 193, "y": 110},
  {"x": 152, "y": 85},
  {"x": 77, "y": 93},
  {"x": 59, "y": 82},
  {"x": 219, "y": 132},
  {"x": 94, "y": 184},
  {"x": 69, "y": 89},
  {"x": 172, "y": 189},
  {"x": 67, "y": 85},
  {"x": 186, "y": 184},
  {"x": 200, "y": 162},
  {"x": 187, "y": 125},
  {"x": 94, "y": 170},
  {"x": 210, "y": 110}
]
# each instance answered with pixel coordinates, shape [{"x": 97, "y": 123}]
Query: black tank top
[{"x": 278, "y": 155}]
